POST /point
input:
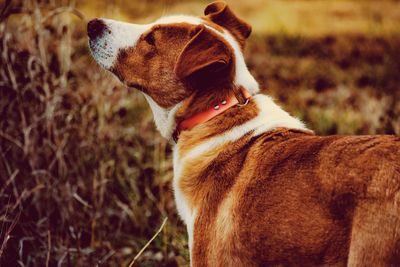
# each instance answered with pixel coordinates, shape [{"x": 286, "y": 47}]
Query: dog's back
[{"x": 304, "y": 200}]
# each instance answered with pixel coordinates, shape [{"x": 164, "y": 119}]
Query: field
[{"x": 85, "y": 179}]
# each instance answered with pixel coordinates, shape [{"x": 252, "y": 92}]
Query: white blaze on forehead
[{"x": 178, "y": 19}]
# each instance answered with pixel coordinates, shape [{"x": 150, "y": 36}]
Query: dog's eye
[{"x": 149, "y": 38}]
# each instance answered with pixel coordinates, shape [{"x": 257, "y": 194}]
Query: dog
[{"x": 253, "y": 185}]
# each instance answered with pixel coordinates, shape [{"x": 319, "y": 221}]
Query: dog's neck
[
  {"x": 204, "y": 141},
  {"x": 200, "y": 145},
  {"x": 204, "y": 96},
  {"x": 167, "y": 120},
  {"x": 211, "y": 106},
  {"x": 260, "y": 115}
]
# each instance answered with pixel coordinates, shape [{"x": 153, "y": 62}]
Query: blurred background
[{"x": 85, "y": 179}]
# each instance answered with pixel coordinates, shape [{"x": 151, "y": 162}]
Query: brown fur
[
  {"x": 296, "y": 199},
  {"x": 284, "y": 198},
  {"x": 180, "y": 61},
  {"x": 149, "y": 65}
]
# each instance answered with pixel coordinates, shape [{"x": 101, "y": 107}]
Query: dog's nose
[{"x": 95, "y": 28}]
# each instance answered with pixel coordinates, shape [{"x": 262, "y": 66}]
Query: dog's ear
[
  {"x": 205, "y": 53},
  {"x": 221, "y": 14}
]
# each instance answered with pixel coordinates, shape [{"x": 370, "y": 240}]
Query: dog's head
[{"x": 174, "y": 56}]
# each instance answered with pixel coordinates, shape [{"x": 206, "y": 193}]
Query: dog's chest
[
  {"x": 182, "y": 205},
  {"x": 204, "y": 174}
]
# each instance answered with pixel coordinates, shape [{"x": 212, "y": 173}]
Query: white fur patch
[
  {"x": 190, "y": 230},
  {"x": 163, "y": 118},
  {"x": 187, "y": 215},
  {"x": 183, "y": 209},
  {"x": 178, "y": 19}
]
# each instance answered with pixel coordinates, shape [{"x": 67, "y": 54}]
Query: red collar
[{"x": 208, "y": 114}]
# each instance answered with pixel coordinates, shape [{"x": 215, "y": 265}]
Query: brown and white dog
[{"x": 252, "y": 184}]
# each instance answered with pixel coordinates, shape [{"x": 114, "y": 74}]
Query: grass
[
  {"x": 319, "y": 17},
  {"x": 80, "y": 156},
  {"x": 85, "y": 179}
]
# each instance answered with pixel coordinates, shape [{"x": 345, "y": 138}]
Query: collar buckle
[{"x": 244, "y": 104}]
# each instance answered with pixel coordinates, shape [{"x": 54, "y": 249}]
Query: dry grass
[
  {"x": 79, "y": 156},
  {"x": 85, "y": 178},
  {"x": 319, "y": 17}
]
